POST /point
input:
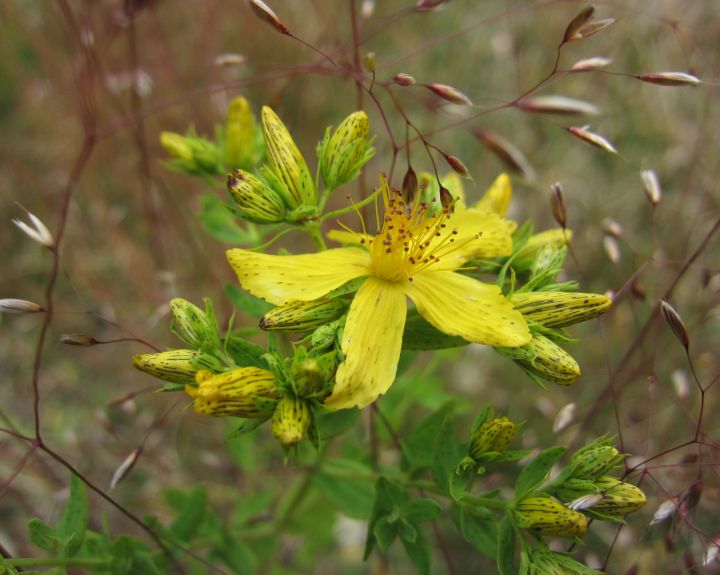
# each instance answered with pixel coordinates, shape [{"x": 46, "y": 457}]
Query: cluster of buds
[{"x": 545, "y": 515}]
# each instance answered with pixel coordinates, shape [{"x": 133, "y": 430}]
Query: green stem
[
  {"x": 324, "y": 198},
  {"x": 351, "y": 208},
  {"x": 313, "y": 228},
  {"x": 58, "y": 562}
]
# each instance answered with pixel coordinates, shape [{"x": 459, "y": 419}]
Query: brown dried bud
[
  {"x": 404, "y": 79},
  {"x": 507, "y": 153},
  {"x": 592, "y": 138},
  {"x": 582, "y": 18},
  {"x": 79, "y": 339},
  {"x": 691, "y": 497},
  {"x": 557, "y": 105},
  {"x": 264, "y": 12},
  {"x": 557, "y": 205},
  {"x": 446, "y": 199},
  {"x": 592, "y": 28},
  {"x": 676, "y": 324},
  {"x": 13, "y": 305},
  {"x": 669, "y": 78},
  {"x": 427, "y": 5},
  {"x": 457, "y": 165},
  {"x": 409, "y": 185},
  {"x": 449, "y": 93},
  {"x": 651, "y": 186},
  {"x": 638, "y": 290}
]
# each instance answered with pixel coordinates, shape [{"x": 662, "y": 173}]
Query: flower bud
[
  {"x": 37, "y": 231},
  {"x": 497, "y": 197},
  {"x": 325, "y": 336},
  {"x": 593, "y": 461},
  {"x": 403, "y": 79},
  {"x": 560, "y": 309},
  {"x": 255, "y": 201},
  {"x": 175, "y": 366},
  {"x": 290, "y": 420},
  {"x": 240, "y": 135},
  {"x": 309, "y": 376},
  {"x": 176, "y": 145},
  {"x": 192, "y": 325},
  {"x": 13, "y": 305},
  {"x": 343, "y": 154},
  {"x": 554, "y": 239},
  {"x": 192, "y": 154},
  {"x": 299, "y": 315},
  {"x": 233, "y": 393},
  {"x": 545, "y": 359},
  {"x": 450, "y": 94},
  {"x": 287, "y": 163},
  {"x": 79, "y": 339},
  {"x": 619, "y": 498},
  {"x": 492, "y": 436},
  {"x": 548, "y": 516}
]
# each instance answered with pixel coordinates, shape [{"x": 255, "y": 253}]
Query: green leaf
[
  {"x": 419, "y": 553},
  {"x": 417, "y": 450},
  {"x": 421, "y": 335},
  {"x": 479, "y": 529},
  {"x": 389, "y": 496},
  {"x": 245, "y": 302},
  {"x": 537, "y": 471},
  {"x": 220, "y": 223},
  {"x": 418, "y": 510},
  {"x": 461, "y": 477},
  {"x": 445, "y": 455},
  {"x": 333, "y": 423},
  {"x": 191, "y": 515},
  {"x": 506, "y": 547},
  {"x": 385, "y": 532},
  {"x": 354, "y": 497},
  {"x": 407, "y": 531},
  {"x": 44, "y": 536},
  {"x": 73, "y": 523},
  {"x": 6, "y": 569}
]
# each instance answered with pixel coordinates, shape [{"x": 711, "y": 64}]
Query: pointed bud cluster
[
  {"x": 493, "y": 436},
  {"x": 547, "y": 516},
  {"x": 192, "y": 154},
  {"x": 560, "y": 309},
  {"x": 290, "y": 420},
  {"x": 237, "y": 393},
  {"x": 404, "y": 79},
  {"x": 241, "y": 135},
  {"x": 553, "y": 239},
  {"x": 583, "y": 26},
  {"x": 13, "y": 305},
  {"x": 175, "y": 366},
  {"x": 299, "y": 315},
  {"x": 254, "y": 200},
  {"x": 497, "y": 197},
  {"x": 292, "y": 176},
  {"x": 192, "y": 325},
  {"x": 37, "y": 232},
  {"x": 343, "y": 154},
  {"x": 545, "y": 359}
]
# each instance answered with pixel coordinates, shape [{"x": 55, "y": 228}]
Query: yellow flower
[
  {"x": 235, "y": 393},
  {"x": 414, "y": 255}
]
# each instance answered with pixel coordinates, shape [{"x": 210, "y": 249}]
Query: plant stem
[
  {"x": 58, "y": 562},
  {"x": 313, "y": 228}
]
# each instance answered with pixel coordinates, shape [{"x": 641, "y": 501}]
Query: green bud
[
  {"x": 240, "y": 135},
  {"x": 233, "y": 393},
  {"x": 255, "y": 201},
  {"x": 325, "y": 336},
  {"x": 619, "y": 498},
  {"x": 547, "y": 516},
  {"x": 545, "y": 359},
  {"x": 192, "y": 154},
  {"x": 297, "y": 187},
  {"x": 299, "y": 315},
  {"x": 192, "y": 325},
  {"x": 290, "y": 420},
  {"x": 546, "y": 562},
  {"x": 492, "y": 436},
  {"x": 560, "y": 309},
  {"x": 176, "y": 145},
  {"x": 593, "y": 461},
  {"x": 175, "y": 366},
  {"x": 343, "y": 154},
  {"x": 553, "y": 239}
]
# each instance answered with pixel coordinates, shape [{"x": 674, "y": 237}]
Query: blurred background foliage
[{"x": 134, "y": 240}]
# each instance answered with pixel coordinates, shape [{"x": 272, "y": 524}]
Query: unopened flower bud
[
  {"x": 192, "y": 154},
  {"x": 240, "y": 135},
  {"x": 325, "y": 336},
  {"x": 369, "y": 62},
  {"x": 37, "y": 231},
  {"x": 287, "y": 163},
  {"x": 669, "y": 78},
  {"x": 409, "y": 185},
  {"x": 450, "y": 94},
  {"x": 548, "y": 516},
  {"x": 255, "y": 201},
  {"x": 676, "y": 323},
  {"x": 343, "y": 154},
  {"x": 290, "y": 420},
  {"x": 557, "y": 205},
  {"x": 299, "y": 315},
  {"x": 79, "y": 339},
  {"x": 545, "y": 359},
  {"x": 309, "y": 376},
  {"x": 560, "y": 309},
  {"x": 233, "y": 393},
  {"x": 492, "y": 436},
  {"x": 446, "y": 199},
  {"x": 619, "y": 498},
  {"x": 175, "y": 366},
  {"x": 176, "y": 145},
  {"x": 497, "y": 197},
  {"x": 192, "y": 325},
  {"x": 457, "y": 165},
  {"x": 651, "y": 185},
  {"x": 593, "y": 461},
  {"x": 13, "y": 305},
  {"x": 554, "y": 239},
  {"x": 265, "y": 13},
  {"x": 404, "y": 79}
]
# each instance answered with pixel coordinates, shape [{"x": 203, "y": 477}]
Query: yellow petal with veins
[
  {"x": 497, "y": 197},
  {"x": 460, "y": 305},
  {"x": 278, "y": 279},
  {"x": 371, "y": 341}
]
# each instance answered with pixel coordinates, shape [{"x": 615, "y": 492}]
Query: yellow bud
[
  {"x": 192, "y": 325},
  {"x": 175, "y": 366},
  {"x": 492, "y": 436},
  {"x": 176, "y": 145},
  {"x": 255, "y": 201},
  {"x": 545, "y": 359},
  {"x": 560, "y": 309},
  {"x": 594, "y": 460},
  {"x": 290, "y": 420},
  {"x": 343, "y": 154},
  {"x": 619, "y": 498},
  {"x": 547, "y": 516},
  {"x": 497, "y": 197},
  {"x": 233, "y": 392},
  {"x": 287, "y": 163},
  {"x": 299, "y": 315},
  {"x": 240, "y": 129},
  {"x": 555, "y": 239}
]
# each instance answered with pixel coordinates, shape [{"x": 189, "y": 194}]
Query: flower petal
[
  {"x": 349, "y": 238},
  {"x": 371, "y": 343},
  {"x": 460, "y": 305},
  {"x": 278, "y": 279},
  {"x": 497, "y": 197}
]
